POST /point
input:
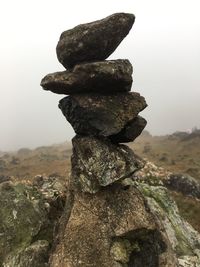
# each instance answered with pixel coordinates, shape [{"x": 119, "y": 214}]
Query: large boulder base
[
  {"x": 93, "y": 41},
  {"x": 97, "y": 163},
  {"x": 103, "y": 76},
  {"x": 103, "y": 115},
  {"x": 112, "y": 228},
  {"x": 126, "y": 224}
]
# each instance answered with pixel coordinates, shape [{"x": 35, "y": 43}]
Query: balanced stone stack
[
  {"x": 100, "y": 107},
  {"x": 101, "y": 223}
]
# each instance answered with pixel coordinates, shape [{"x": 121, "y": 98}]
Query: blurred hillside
[{"x": 178, "y": 153}]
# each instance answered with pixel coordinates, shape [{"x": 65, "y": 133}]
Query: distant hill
[
  {"x": 178, "y": 152},
  {"x": 26, "y": 163}
]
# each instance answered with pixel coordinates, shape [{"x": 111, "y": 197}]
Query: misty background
[{"x": 163, "y": 47}]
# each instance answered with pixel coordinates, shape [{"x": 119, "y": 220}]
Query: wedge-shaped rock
[
  {"x": 102, "y": 76},
  {"x": 93, "y": 41},
  {"x": 98, "y": 162},
  {"x": 130, "y": 132},
  {"x": 104, "y": 115}
]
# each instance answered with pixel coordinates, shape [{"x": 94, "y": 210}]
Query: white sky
[{"x": 163, "y": 46}]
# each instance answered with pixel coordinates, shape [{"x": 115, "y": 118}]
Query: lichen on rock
[
  {"x": 183, "y": 239},
  {"x": 97, "y": 163},
  {"x": 26, "y": 224}
]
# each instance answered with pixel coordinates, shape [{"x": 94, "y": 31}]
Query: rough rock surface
[
  {"x": 183, "y": 183},
  {"x": 28, "y": 215},
  {"x": 93, "y": 41},
  {"x": 130, "y": 131},
  {"x": 154, "y": 175},
  {"x": 103, "y": 77},
  {"x": 105, "y": 115},
  {"x": 112, "y": 228},
  {"x": 35, "y": 255},
  {"x": 184, "y": 240},
  {"x": 97, "y": 163}
]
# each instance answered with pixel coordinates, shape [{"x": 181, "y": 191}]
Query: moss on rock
[{"x": 26, "y": 225}]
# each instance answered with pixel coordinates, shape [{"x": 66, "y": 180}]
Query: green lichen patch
[
  {"x": 27, "y": 216},
  {"x": 184, "y": 239}
]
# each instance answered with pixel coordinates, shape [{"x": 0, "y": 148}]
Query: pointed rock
[
  {"x": 103, "y": 76},
  {"x": 130, "y": 132},
  {"x": 93, "y": 41},
  {"x": 98, "y": 162},
  {"x": 103, "y": 115}
]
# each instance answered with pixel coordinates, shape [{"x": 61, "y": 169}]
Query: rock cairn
[
  {"x": 100, "y": 106},
  {"x": 107, "y": 222}
]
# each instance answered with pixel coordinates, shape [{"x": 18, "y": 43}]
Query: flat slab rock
[
  {"x": 130, "y": 131},
  {"x": 103, "y": 115},
  {"x": 112, "y": 228},
  {"x": 93, "y": 41},
  {"x": 97, "y": 163},
  {"x": 102, "y": 76}
]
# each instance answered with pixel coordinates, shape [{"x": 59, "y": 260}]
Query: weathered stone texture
[
  {"x": 93, "y": 41},
  {"x": 96, "y": 77},
  {"x": 103, "y": 115},
  {"x": 112, "y": 228},
  {"x": 97, "y": 163}
]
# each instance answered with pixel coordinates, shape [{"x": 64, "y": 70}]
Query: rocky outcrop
[
  {"x": 183, "y": 183},
  {"x": 95, "y": 77},
  {"x": 178, "y": 182},
  {"x": 28, "y": 216},
  {"x": 93, "y": 41},
  {"x": 183, "y": 239},
  {"x": 112, "y": 217}
]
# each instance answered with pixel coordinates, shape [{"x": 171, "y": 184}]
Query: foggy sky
[{"x": 163, "y": 46}]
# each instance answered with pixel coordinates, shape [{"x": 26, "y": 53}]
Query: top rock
[{"x": 93, "y": 41}]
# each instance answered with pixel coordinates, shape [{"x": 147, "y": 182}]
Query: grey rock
[
  {"x": 183, "y": 183},
  {"x": 97, "y": 163},
  {"x": 103, "y": 76},
  {"x": 93, "y": 41},
  {"x": 130, "y": 131},
  {"x": 103, "y": 115}
]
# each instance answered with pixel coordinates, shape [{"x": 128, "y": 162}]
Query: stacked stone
[
  {"x": 107, "y": 220},
  {"x": 100, "y": 106}
]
